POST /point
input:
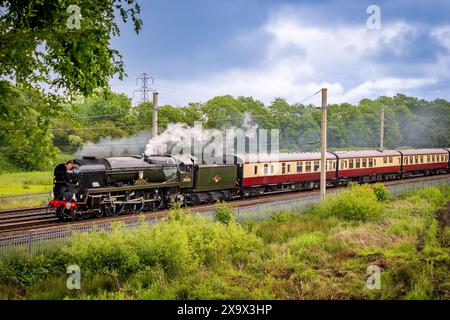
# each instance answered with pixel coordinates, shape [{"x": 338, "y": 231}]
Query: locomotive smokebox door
[{"x": 215, "y": 177}]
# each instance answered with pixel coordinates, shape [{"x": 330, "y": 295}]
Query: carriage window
[
  {"x": 370, "y": 162},
  {"x": 374, "y": 162},
  {"x": 421, "y": 159},
  {"x": 271, "y": 168},
  {"x": 411, "y": 159},
  {"x": 283, "y": 168},
  {"x": 308, "y": 166},
  {"x": 358, "y": 163},
  {"x": 316, "y": 165},
  {"x": 416, "y": 159},
  {"x": 364, "y": 163},
  {"x": 385, "y": 160},
  {"x": 334, "y": 165},
  {"x": 406, "y": 160},
  {"x": 266, "y": 169},
  {"x": 432, "y": 158},
  {"x": 299, "y": 167},
  {"x": 350, "y": 164},
  {"x": 442, "y": 157},
  {"x": 390, "y": 159},
  {"x": 256, "y": 170},
  {"x": 428, "y": 158},
  {"x": 289, "y": 168}
]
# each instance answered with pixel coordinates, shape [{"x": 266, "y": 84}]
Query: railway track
[
  {"x": 23, "y": 218},
  {"x": 38, "y": 218}
]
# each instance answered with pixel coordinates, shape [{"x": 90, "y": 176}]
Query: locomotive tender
[{"x": 110, "y": 186}]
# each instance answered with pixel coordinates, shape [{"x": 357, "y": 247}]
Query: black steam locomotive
[{"x": 110, "y": 186}]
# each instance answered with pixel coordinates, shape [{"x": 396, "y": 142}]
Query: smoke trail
[
  {"x": 175, "y": 135},
  {"x": 108, "y": 147},
  {"x": 181, "y": 135}
]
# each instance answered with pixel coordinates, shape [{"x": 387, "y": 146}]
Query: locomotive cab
[{"x": 66, "y": 180}]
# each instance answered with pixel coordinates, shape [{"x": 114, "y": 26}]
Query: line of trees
[
  {"x": 32, "y": 135},
  {"x": 409, "y": 122}
]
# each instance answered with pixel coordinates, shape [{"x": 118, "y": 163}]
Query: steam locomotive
[{"x": 110, "y": 186}]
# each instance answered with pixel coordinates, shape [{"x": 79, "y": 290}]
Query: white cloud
[{"x": 300, "y": 59}]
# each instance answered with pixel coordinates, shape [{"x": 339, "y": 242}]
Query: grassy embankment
[
  {"x": 20, "y": 183},
  {"x": 321, "y": 254}
]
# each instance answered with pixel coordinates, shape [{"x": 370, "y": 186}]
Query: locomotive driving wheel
[
  {"x": 99, "y": 213},
  {"x": 136, "y": 207},
  {"x": 156, "y": 202}
]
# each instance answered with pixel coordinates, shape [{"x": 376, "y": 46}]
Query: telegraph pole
[
  {"x": 323, "y": 146},
  {"x": 155, "y": 114},
  {"x": 382, "y": 129}
]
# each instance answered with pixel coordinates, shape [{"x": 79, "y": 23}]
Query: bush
[
  {"x": 381, "y": 192},
  {"x": 178, "y": 246},
  {"x": 24, "y": 271},
  {"x": 225, "y": 213},
  {"x": 177, "y": 212},
  {"x": 359, "y": 203}
]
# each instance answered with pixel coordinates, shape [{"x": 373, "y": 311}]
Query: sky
[{"x": 198, "y": 49}]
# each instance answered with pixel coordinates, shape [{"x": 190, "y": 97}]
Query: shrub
[
  {"x": 359, "y": 203},
  {"x": 24, "y": 271},
  {"x": 176, "y": 211},
  {"x": 381, "y": 192},
  {"x": 225, "y": 213}
]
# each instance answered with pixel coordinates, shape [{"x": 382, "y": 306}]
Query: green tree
[
  {"x": 37, "y": 45},
  {"x": 25, "y": 136},
  {"x": 39, "y": 50}
]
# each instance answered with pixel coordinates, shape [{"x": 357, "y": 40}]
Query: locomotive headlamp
[{"x": 68, "y": 206}]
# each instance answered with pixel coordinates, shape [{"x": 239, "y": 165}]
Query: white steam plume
[{"x": 179, "y": 134}]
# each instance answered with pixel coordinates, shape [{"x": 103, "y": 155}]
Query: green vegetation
[
  {"x": 24, "y": 183},
  {"x": 225, "y": 214},
  {"x": 48, "y": 62},
  {"x": 40, "y": 45},
  {"x": 32, "y": 136},
  {"x": 360, "y": 203},
  {"x": 29, "y": 182},
  {"x": 320, "y": 254}
]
